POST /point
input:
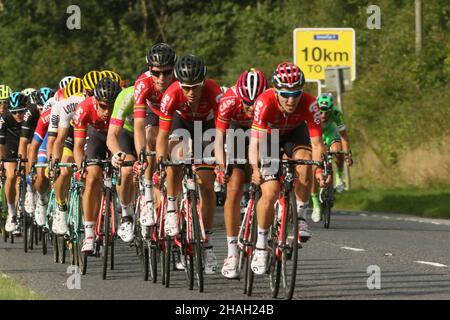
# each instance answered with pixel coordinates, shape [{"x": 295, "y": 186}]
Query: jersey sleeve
[
  {"x": 123, "y": 107},
  {"x": 141, "y": 91},
  {"x": 2, "y": 131},
  {"x": 225, "y": 113},
  {"x": 29, "y": 123},
  {"x": 66, "y": 113},
  {"x": 80, "y": 121},
  {"x": 260, "y": 125},
  {"x": 54, "y": 120},
  {"x": 338, "y": 119},
  {"x": 313, "y": 118},
  {"x": 168, "y": 105},
  {"x": 41, "y": 129}
]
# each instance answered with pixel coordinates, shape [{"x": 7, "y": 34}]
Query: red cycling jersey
[
  {"x": 174, "y": 101},
  {"x": 42, "y": 125},
  {"x": 146, "y": 93},
  {"x": 231, "y": 109},
  {"x": 268, "y": 115},
  {"x": 86, "y": 113}
]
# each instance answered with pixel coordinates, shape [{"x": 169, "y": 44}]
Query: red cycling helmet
[
  {"x": 250, "y": 85},
  {"x": 287, "y": 76}
]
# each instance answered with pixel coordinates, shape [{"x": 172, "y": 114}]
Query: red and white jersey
[
  {"x": 231, "y": 110},
  {"x": 61, "y": 111},
  {"x": 42, "y": 125},
  {"x": 86, "y": 114},
  {"x": 268, "y": 115},
  {"x": 174, "y": 101},
  {"x": 146, "y": 94}
]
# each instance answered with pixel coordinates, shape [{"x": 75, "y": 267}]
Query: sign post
[{"x": 327, "y": 54}]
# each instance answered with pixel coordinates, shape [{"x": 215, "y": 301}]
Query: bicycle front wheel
[
  {"x": 289, "y": 253},
  {"x": 198, "y": 252},
  {"x": 106, "y": 232},
  {"x": 326, "y": 207}
]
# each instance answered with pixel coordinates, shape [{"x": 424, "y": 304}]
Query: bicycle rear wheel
[
  {"x": 31, "y": 235},
  {"x": 186, "y": 254},
  {"x": 289, "y": 253},
  {"x": 61, "y": 248},
  {"x": 198, "y": 252}
]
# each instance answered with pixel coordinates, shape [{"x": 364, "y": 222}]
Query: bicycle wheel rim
[
  {"x": 106, "y": 233},
  {"x": 251, "y": 249},
  {"x": 275, "y": 264},
  {"x": 167, "y": 261},
  {"x": 289, "y": 253}
]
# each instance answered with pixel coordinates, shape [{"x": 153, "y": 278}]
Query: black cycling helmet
[
  {"x": 32, "y": 99},
  {"x": 107, "y": 90},
  {"x": 190, "y": 69},
  {"x": 161, "y": 54},
  {"x": 17, "y": 102},
  {"x": 44, "y": 94}
]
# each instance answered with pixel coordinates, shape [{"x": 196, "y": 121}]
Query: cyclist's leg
[
  {"x": 10, "y": 195},
  {"x": 151, "y": 131},
  {"x": 42, "y": 187},
  {"x": 336, "y": 146},
  {"x": 126, "y": 190},
  {"x": 95, "y": 148}
]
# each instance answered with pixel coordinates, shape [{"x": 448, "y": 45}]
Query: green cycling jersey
[
  {"x": 332, "y": 126},
  {"x": 123, "y": 110}
]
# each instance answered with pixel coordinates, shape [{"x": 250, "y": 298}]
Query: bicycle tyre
[
  {"x": 31, "y": 236},
  {"x": 198, "y": 252},
  {"x": 25, "y": 231},
  {"x": 289, "y": 251},
  {"x": 167, "y": 256},
  {"x": 253, "y": 234},
  {"x": 185, "y": 254},
  {"x": 44, "y": 242},
  {"x": 146, "y": 261},
  {"x": 55, "y": 248},
  {"x": 275, "y": 264},
  {"x": 106, "y": 233},
  {"x": 61, "y": 248},
  {"x": 326, "y": 209}
]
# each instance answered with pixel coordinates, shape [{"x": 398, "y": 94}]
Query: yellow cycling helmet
[
  {"x": 5, "y": 92},
  {"x": 75, "y": 87},
  {"x": 91, "y": 79},
  {"x": 113, "y": 75}
]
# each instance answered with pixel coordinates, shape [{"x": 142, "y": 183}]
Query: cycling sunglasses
[
  {"x": 17, "y": 112},
  {"x": 288, "y": 94},
  {"x": 193, "y": 86},
  {"x": 4, "y": 103},
  {"x": 105, "y": 105},
  {"x": 165, "y": 73}
]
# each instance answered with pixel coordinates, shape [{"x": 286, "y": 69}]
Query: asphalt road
[{"x": 411, "y": 254}]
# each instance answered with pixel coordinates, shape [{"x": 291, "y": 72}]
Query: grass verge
[
  {"x": 431, "y": 202},
  {"x": 10, "y": 289}
]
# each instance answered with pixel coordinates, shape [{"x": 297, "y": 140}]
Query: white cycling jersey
[{"x": 62, "y": 113}]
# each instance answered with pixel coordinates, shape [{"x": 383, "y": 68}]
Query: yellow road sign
[{"x": 317, "y": 48}]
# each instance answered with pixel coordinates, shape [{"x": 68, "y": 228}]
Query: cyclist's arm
[
  {"x": 162, "y": 144},
  {"x": 219, "y": 149},
  {"x": 253, "y": 153},
  {"x": 32, "y": 153},
  {"x": 112, "y": 140},
  {"x": 2, "y": 151},
  {"x": 50, "y": 143},
  {"x": 58, "y": 143},
  {"x": 345, "y": 140},
  {"x": 23, "y": 146},
  {"x": 78, "y": 150},
  {"x": 139, "y": 134}
]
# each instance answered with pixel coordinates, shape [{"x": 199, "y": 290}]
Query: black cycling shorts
[
  {"x": 240, "y": 146},
  {"x": 96, "y": 144},
  {"x": 151, "y": 119},
  {"x": 12, "y": 147},
  {"x": 70, "y": 139},
  {"x": 126, "y": 142}
]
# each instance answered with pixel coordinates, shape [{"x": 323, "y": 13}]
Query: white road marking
[
  {"x": 363, "y": 215},
  {"x": 353, "y": 249},
  {"x": 437, "y": 223},
  {"x": 434, "y": 264}
]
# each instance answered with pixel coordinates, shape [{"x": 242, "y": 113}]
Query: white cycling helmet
[{"x": 65, "y": 81}]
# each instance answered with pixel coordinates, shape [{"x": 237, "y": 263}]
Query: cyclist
[
  {"x": 61, "y": 134},
  {"x": 5, "y": 92},
  {"x": 334, "y": 135},
  {"x": 113, "y": 75},
  {"x": 37, "y": 151},
  {"x": 236, "y": 112},
  {"x": 91, "y": 119},
  {"x": 121, "y": 144},
  {"x": 90, "y": 79},
  {"x": 65, "y": 81},
  {"x": 10, "y": 129},
  {"x": 286, "y": 107},
  {"x": 192, "y": 99},
  {"x": 148, "y": 91}
]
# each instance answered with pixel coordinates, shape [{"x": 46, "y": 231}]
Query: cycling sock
[
  {"x": 171, "y": 203},
  {"x": 148, "y": 191},
  {"x": 89, "y": 229},
  {"x": 208, "y": 234},
  {"x": 315, "y": 200},
  {"x": 11, "y": 209},
  {"x": 61, "y": 202},
  {"x": 302, "y": 208},
  {"x": 261, "y": 242},
  {"x": 232, "y": 246}
]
